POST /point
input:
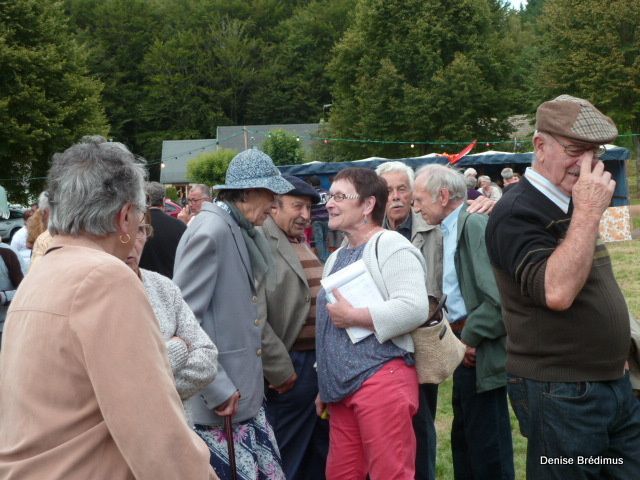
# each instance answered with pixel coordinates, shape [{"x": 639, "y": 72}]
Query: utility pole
[{"x": 246, "y": 138}]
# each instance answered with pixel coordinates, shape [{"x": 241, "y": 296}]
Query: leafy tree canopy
[
  {"x": 416, "y": 69},
  {"x": 48, "y": 99},
  {"x": 284, "y": 148},
  {"x": 210, "y": 168}
]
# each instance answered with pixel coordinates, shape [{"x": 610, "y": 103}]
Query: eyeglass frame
[
  {"x": 599, "y": 151},
  {"x": 339, "y": 197},
  {"x": 196, "y": 200},
  {"x": 148, "y": 230}
]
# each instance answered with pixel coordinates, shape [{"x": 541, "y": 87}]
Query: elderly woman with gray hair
[
  {"x": 222, "y": 266},
  {"x": 86, "y": 390}
]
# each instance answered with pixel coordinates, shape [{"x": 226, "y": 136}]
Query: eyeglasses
[
  {"x": 575, "y": 151},
  {"x": 144, "y": 230},
  {"x": 338, "y": 197},
  {"x": 196, "y": 200}
]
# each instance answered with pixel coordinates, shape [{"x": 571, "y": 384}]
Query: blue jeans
[
  {"x": 481, "y": 431},
  {"x": 303, "y": 438},
  {"x": 320, "y": 234},
  {"x": 579, "y": 430}
]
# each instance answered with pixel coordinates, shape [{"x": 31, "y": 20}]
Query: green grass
[
  {"x": 444, "y": 417},
  {"x": 626, "y": 265}
]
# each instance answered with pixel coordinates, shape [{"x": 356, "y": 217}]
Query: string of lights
[{"x": 324, "y": 140}]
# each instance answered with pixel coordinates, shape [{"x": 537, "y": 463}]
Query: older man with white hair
[
  {"x": 400, "y": 217},
  {"x": 428, "y": 239},
  {"x": 481, "y": 431},
  {"x": 567, "y": 319},
  {"x": 198, "y": 195}
]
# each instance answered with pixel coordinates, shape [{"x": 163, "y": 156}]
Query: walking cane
[{"x": 230, "y": 447}]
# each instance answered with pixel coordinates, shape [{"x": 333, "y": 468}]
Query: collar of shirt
[
  {"x": 450, "y": 222},
  {"x": 450, "y": 283},
  {"x": 404, "y": 228},
  {"x": 299, "y": 239},
  {"x": 548, "y": 189}
]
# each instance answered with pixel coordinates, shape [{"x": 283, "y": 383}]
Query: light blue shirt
[
  {"x": 548, "y": 189},
  {"x": 450, "y": 285}
]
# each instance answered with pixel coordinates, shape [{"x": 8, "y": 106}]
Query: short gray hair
[
  {"x": 507, "y": 173},
  {"x": 88, "y": 185},
  {"x": 155, "y": 194},
  {"x": 472, "y": 182},
  {"x": 395, "y": 166},
  {"x": 204, "y": 189},
  {"x": 438, "y": 177}
]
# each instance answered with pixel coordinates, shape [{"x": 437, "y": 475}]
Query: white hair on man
[
  {"x": 506, "y": 173},
  {"x": 470, "y": 172},
  {"x": 202, "y": 188},
  {"x": 434, "y": 177},
  {"x": 396, "y": 167}
]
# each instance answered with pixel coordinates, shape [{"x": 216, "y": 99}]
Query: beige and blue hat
[
  {"x": 575, "y": 118},
  {"x": 254, "y": 169}
]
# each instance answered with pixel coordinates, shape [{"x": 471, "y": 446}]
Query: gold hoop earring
[{"x": 124, "y": 242}]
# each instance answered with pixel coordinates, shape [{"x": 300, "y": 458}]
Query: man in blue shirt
[{"x": 481, "y": 430}]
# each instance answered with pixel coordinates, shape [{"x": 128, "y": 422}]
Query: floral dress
[{"x": 257, "y": 454}]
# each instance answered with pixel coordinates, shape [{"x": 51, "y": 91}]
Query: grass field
[{"x": 626, "y": 264}]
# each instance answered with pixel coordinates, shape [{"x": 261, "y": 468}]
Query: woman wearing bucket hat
[{"x": 221, "y": 266}]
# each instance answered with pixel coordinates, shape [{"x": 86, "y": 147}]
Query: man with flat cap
[
  {"x": 289, "y": 336},
  {"x": 566, "y": 318}
]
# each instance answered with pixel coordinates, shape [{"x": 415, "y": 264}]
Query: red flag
[{"x": 455, "y": 157}]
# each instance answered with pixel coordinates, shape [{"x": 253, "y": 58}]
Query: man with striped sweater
[{"x": 289, "y": 336}]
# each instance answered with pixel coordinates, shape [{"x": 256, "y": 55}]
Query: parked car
[
  {"x": 12, "y": 224},
  {"x": 171, "y": 208}
]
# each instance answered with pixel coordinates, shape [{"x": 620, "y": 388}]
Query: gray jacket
[
  {"x": 288, "y": 302},
  {"x": 213, "y": 270},
  {"x": 428, "y": 239}
]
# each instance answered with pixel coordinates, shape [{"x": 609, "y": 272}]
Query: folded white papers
[{"x": 357, "y": 286}]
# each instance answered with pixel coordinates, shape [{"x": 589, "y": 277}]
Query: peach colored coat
[{"x": 86, "y": 391}]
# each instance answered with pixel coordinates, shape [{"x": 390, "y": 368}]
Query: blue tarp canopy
[{"x": 486, "y": 163}]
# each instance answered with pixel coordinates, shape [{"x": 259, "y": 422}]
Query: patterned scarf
[{"x": 257, "y": 244}]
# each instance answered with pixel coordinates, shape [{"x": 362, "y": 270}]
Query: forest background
[{"x": 385, "y": 77}]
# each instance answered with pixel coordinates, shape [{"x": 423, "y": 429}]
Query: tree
[
  {"x": 119, "y": 34},
  {"x": 48, "y": 100},
  {"x": 284, "y": 148},
  {"x": 420, "y": 70},
  {"x": 600, "y": 64},
  {"x": 294, "y": 83},
  {"x": 210, "y": 168}
]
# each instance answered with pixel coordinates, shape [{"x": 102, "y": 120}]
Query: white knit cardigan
[
  {"x": 400, "y": 273},
  {"x": 193, "y": 358}
]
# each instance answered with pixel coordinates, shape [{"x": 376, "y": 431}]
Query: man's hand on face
[
  {"x": 593, "y": 191},
  {"x": 185, "y": 214},
  {"x": 481, "y": 204}
]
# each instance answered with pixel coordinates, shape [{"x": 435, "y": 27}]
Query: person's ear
[
  {"x": 444, "y": 196},
  {"x": 539, "y": 143},
  {"x": 369, "y": 204},
  {"x": 125, "y": 217}
]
